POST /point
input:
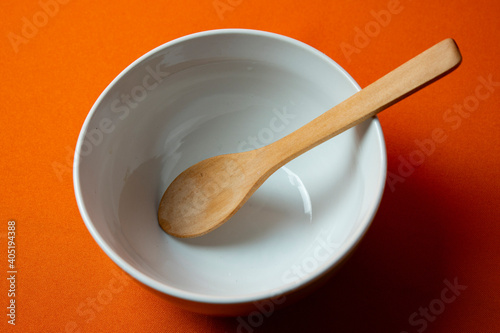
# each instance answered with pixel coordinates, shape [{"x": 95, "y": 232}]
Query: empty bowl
[{"x": 212, "y": 93}]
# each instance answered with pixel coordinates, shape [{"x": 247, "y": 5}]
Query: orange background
[{"x": 438, "y": 222}]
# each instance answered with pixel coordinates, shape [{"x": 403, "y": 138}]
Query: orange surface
[{"x": 438, "y": 223}]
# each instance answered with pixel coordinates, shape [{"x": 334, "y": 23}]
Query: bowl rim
[{"x": 345, "y": 250}]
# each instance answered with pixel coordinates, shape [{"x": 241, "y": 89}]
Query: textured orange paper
[{"x": 429, "y": 263}]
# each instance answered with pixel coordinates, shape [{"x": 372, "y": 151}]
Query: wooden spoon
[{"x": 207, "y": 194}]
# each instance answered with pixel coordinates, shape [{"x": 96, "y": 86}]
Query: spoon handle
[{"x": 413, "y": 75}]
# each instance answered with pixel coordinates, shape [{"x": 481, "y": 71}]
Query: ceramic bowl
[{"x": 212, "y": 93}]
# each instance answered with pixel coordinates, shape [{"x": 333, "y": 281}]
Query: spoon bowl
[{"x": 220, "y": 92}]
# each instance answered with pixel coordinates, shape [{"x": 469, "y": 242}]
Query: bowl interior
[{"x": 215, "y": 93}]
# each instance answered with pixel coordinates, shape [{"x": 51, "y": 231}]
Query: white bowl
[{"x": 220, "y": 92}]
